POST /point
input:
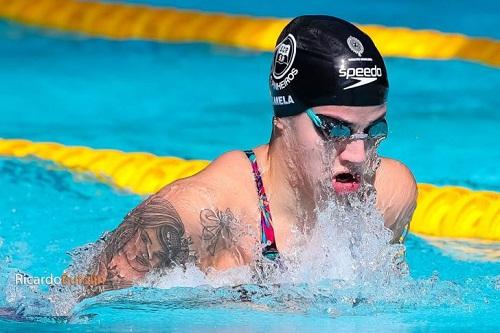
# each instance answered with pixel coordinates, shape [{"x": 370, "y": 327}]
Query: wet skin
[{"x": 199, "y": 219}]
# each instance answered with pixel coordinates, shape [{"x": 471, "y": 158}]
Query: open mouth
[
  {"x": 345, "y": 177},
  {"x": 346, "y": 182}
]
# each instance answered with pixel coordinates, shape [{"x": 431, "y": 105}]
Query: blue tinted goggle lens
[
  {"x": 337, "y": 129},
  {"x": 378, "y": 129}
]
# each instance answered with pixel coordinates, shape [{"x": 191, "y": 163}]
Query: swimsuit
[{"x": 268, "y": 243}]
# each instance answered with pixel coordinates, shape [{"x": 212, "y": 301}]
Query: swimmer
[{"x": 329, "y": 90}]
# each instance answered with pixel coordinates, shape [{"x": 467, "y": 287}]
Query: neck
[{"x": 289, "y": 198}]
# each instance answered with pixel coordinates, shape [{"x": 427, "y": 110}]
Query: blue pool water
[
  {"x": 46, "y": 214},
  {"x": 197, "y": 101}
]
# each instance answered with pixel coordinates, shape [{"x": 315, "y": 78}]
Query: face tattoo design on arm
[{"x": 152, "y": 236}]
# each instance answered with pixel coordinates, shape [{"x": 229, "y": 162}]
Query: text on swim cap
[
  {"x": 364, "y": 75},
  {"x": 349, "y": 73},
  {"x": 284, "y": 82},
  {"x": 283, "y": 100}
]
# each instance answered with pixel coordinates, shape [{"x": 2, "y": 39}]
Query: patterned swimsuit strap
[{"x": 268, "y": 243}]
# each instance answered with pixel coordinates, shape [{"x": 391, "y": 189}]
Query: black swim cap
[{"x": 323, "y": 60}]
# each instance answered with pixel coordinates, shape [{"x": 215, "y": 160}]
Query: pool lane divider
[
  {"x": 131, "y": 21},
  {"x": 446, "y": 211}
]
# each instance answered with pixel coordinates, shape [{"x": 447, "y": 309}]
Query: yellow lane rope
[
  {"x": 446, "y": 211},
  {"x": 128, "y": 21}
]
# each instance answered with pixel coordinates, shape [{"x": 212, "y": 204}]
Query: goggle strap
[{"x": 314, "y": 117}]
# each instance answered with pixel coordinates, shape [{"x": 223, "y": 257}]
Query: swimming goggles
[{"x": 336, "y": 129}]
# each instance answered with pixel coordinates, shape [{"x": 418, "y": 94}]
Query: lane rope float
[
  {"x": 132, "y": 21},
  {"x": 446, "y": 211}
]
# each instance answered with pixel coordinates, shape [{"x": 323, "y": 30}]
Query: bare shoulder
[
  {"x": 396, "y": 194},
  {"x": 212, "y": 205},
  {"x": 232, "y": 165},
  {"x": 193, "y": 219},
  {"x": 390, "y": 169},
  {"x": 214, "y": 184},
  {"x": 229, "y": 177}
]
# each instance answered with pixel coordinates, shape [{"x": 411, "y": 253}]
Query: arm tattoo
[
  {"x": 151, "y": 236},
  {"x": 217, "y": 229}
]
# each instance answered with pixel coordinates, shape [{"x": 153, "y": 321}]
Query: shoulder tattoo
[
  {"x": 217, "y": 229},
  {"x": 151, "y": 236}
]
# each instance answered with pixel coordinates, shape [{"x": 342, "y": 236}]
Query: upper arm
[
  {"x": 396, "y": 195},
  {"x": 184, "y": 223},
  {"x": 151, "y": 236}
]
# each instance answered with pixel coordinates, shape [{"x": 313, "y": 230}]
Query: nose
[{"x": 353, "y": 152}]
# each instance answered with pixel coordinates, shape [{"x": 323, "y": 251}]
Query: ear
[
  {"x": 278, "y": 123},
  {"x": 277, "y": 130}
]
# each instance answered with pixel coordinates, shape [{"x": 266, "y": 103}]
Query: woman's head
[{"x": 329, "y": 87}]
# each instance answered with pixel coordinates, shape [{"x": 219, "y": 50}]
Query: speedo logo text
[{"x": 364, "y": 75}]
